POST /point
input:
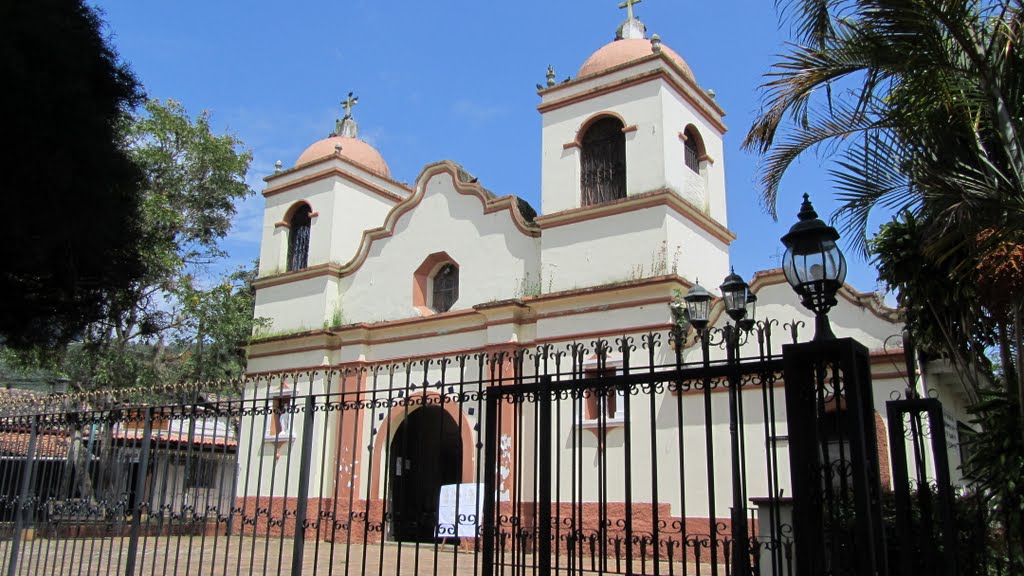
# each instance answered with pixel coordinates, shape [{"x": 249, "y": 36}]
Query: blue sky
[{"x": 449, "y": 80}]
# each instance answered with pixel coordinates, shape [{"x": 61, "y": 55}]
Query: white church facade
[{"x": 359, "y": 272}]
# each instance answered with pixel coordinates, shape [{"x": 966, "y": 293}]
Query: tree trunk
[
  {"x": 107, "y": 490},
  {"x": 80, "y": 467},
  {"x": 1018, "y": 372}
]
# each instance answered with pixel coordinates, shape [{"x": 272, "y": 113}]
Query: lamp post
[
  {"x": 814, "y": 266},
  {"x": 837, "y": 494},
  {"x": 740, "y": 304}
]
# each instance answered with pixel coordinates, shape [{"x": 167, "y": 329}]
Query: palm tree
[
  {"x": 921, "y": 103},
  {"x": 923, "y": 99}
]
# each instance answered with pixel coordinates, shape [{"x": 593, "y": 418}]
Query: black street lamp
[
  {"x": 747, "y": 322},
  {"x": 698, "y": 307},
  {"x": 739, "y": 305},
  {"x": 734, "y": 292},
  {"x": 814, "y": 266}
]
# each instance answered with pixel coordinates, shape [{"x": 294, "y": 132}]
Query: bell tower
[
  {"x": 673, "y": 129},
  {"x": 634, "y": 133}
]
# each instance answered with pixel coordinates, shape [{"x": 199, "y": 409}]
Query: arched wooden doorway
[{"x": 426, "y": 453}]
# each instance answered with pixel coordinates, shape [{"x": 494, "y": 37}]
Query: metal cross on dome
[
  {"x": 349, "y": 103},
  {"x": 628, "y": 5}
]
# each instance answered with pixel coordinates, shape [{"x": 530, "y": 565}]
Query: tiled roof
[
  {"x": 162, "y": 437},
  {"x": 48, "y": 444}
]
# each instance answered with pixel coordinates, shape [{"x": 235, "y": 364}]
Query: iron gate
[{"x": 613, "y": 456}]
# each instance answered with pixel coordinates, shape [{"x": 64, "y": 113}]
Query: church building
[{"x": 360, "y": 273}]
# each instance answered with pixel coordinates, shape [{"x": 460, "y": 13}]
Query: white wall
[
  {"x": 678, "y": 114},
  {"x": 701, "y": 256},
  {"x": 493, "y": 255},
  {"x": 297, "y": 306},
  {"x": 602, "y": 250}
]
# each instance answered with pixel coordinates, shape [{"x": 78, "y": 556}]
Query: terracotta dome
[
  {"x": 626, "y": 50},
  {"x": 353, "y": 149}
]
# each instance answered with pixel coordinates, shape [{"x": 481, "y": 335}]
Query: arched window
[
  {"x": 691, "y": 146},
  {"x": 446, "y": 288},
  {"x": 298, "y": 238},
  {"x": 603, "y": 162}
]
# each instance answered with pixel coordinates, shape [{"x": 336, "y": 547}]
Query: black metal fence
[{"x": 612, "y": 456}]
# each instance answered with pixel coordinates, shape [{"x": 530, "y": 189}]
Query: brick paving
[{"x": 246, "y": 556}]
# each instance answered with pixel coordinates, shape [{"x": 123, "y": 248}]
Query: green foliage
[
  {"x": 920, "y": 102},
  {"x": 680, "y": 315},
  {"x": 996, "y": 462},
  {"x": 529, "y": 287},
  {"x": 218, "y": 321},
  {"x": 980, "y": 547},
  {"x": 71, "y": 192},
  {"x": 266, "y": 332},
  {"x": 205, "y": 343},
  {"x": 22, "y": 369},
  {"x": 944, "y": 314},
  {"x": 337, "y": 317},
  {"x": 193, "y": 180},
  {"x": 178, "y": 321},
  {"x": 660, "y": 264}
]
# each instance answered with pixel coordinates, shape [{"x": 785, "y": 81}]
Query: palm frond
[
  {"x": 811, "y": 21},
  {"x": 871, "y": 175}
]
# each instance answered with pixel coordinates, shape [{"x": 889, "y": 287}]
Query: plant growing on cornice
[
  {"x": 337, "y": 318},
  {"x": 528, "y": 287},
  {"x": 661, "y": 264},
  {"x": 261, "y": 335},
  {"x": 274, "y": 271}
]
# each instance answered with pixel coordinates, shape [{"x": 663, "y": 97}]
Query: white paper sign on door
[{"x": 459, "y": 511}]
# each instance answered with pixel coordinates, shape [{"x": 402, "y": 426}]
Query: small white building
[{"x": 358, "y": 270}]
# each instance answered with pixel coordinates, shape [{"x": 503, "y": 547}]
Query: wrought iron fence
[
  {"x": 612, "y": 456},
  {"x": 937, "y": 527}
]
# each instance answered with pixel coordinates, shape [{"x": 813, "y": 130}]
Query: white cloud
[
  {"x": 247, "y": 226},
  {"x": 476, "y": 112}
]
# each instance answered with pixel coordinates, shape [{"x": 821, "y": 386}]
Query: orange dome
[
  {"x": 626, "y": 50},
  {"x": 353, "y": 149}
]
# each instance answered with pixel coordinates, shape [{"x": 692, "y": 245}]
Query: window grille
[
  {"x": 202, "y": 473},
  {"x": 446, "y": 288},
  {"x": 298, "y": 239},
  {"x": 603, "y": 162},
  {"x": 692, "y": 155}
]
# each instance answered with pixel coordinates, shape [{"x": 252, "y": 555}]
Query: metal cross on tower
[
  {"x": 349, "y": 103},
  {"x": 628, "y": 5}
]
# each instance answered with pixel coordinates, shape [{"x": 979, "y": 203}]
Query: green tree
[
  {"x": 220, "y": 320},
  {"x": 920, "y": 104},
  {"x": 920, "y": 98},
  {"x": 174, "y": 322},
  {"x": 70, "y": 191}
]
